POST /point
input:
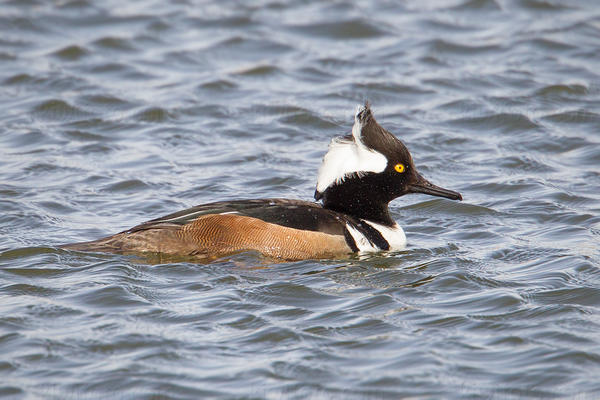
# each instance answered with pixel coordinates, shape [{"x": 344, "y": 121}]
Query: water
[{"x": 113, "y": 113}]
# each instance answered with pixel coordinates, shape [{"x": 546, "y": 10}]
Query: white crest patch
[{"x": 347, "y": 156}]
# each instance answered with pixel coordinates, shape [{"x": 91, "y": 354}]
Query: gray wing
[{"x": 296, "y": 214}]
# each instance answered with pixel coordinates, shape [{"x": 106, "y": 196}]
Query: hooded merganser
[{"x": 360, "y": 174}]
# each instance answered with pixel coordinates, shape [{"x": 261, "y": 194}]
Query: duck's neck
[{"x": 354, "y": 198}]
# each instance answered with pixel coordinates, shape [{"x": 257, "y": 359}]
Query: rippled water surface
[{"x": 115, "y": 112}]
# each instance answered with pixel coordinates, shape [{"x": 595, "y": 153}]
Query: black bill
[{"x": 426, "y": 187}]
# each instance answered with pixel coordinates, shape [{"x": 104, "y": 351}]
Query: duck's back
[{"x": 281, "y": 228}]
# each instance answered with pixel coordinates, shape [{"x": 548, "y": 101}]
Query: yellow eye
[{"x": 399, "y": 168}]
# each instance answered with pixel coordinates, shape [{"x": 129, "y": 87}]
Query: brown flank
[{"x": 219, "y": 235}]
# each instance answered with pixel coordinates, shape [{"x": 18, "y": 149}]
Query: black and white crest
[{"x": 368, "y": 149}]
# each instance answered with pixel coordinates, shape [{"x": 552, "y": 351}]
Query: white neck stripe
[{"x": 394, "y": 235}]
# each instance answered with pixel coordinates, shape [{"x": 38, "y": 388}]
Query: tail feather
[
  {"x": 107, "y": 244},
  {"x": 151, "y": 240}
]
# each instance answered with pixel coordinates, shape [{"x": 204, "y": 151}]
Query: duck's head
[{"x": 362, "y": 172}]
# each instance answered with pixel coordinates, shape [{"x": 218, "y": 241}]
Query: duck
[{"x": 360, "y": 174}]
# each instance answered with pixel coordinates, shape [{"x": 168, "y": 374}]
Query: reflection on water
[{"x": 112, "y": 114}]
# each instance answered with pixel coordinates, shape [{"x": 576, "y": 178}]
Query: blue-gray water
[{"x": 116, "y": 112}]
